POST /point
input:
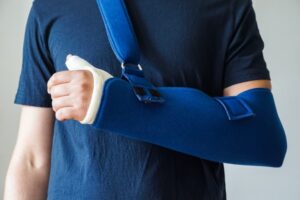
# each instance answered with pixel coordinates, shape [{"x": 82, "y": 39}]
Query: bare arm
[
  {"x": 241, "y": 87},
  {"x": 28, "y": 171}
]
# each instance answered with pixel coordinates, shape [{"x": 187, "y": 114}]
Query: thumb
[{"x": 76, "y": 63}]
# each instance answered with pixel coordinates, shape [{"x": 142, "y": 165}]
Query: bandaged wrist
[{"x": 99, "y": 78}]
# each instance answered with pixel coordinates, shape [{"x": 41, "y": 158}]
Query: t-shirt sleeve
[
  {"x": 244, "y": 57},
  {"x": 37, "y": 67}
]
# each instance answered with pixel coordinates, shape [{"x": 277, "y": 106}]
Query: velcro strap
[{"x": 235, "y": 107}]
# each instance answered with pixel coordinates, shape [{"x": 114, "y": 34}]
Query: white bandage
[{"x": 100, "y": 76}]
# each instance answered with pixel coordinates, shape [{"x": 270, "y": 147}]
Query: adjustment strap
[
  {"x": 119, "y": 30},
  {"x": 235, "y": 107},
  {"x": 142, "y": 88}
]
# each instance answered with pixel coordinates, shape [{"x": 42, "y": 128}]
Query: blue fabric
[
  {"x": 143, "y": 89},
  {"x": 191, "y": 122},
  {"x": 120, "y": 32},
  {"x": 235, "y": 108},
  {"x": 206, "y": 45}
]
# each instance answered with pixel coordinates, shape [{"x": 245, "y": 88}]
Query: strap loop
[
  {"x": 138, "y": 65},
  {"x": 143, "y": 89}
]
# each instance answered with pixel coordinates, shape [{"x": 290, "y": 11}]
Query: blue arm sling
[{"x": 243, "y": 129}]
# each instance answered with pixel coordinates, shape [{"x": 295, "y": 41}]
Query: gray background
[{"x": 279, "y": 23}]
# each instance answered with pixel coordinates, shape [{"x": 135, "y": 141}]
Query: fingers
[
  {"x": 71, "y": 91},
  {"x": 66, "y": 113},
  {"x": 60, "y": 90},
  {"x": 62, "y": 102},
  {"x": 59, "y": 78}
]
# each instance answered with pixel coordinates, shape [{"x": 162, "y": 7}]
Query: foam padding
[{"x": 191, "y": 122}]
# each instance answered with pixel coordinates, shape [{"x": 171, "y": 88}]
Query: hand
[
  {"x": 71, "y": 93},
  {"x": 76, "y": 94}
]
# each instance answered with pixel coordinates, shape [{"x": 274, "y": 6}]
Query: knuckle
[
  {"x": 54, "y": 77},
  {"x": 53, "y": 91},
  {"x": 59, "y": 115},
  {"x": 83, "y": 86},
  {"x": 81, "y": 74},
  {"x": 86, "y": 74}
]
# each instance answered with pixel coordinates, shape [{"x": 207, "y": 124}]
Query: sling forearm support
[{"x": 243, "y": 129}]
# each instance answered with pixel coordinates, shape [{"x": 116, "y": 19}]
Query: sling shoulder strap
[
  {"x": 124, "y": 44},
  {"x": 120, "y": 31}
]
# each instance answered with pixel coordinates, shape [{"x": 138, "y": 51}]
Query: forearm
[
  {"x": 26, "y": 180},
  {"x": 29, "y": 168},
  {"x": 196, "y": 124},
  {"x": 189, "y": 121}
]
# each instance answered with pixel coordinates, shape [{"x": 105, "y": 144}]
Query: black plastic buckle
[{"x": 143, "y": 89}]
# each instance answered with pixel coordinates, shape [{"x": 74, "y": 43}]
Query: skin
[
  {"x": 71, "y": 93},
  {"x": 28, "y": 173}
]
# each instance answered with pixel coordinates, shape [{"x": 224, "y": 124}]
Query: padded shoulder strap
[
  {"x": 119, "y": 30},
  {"x": 124, "y": 43}
]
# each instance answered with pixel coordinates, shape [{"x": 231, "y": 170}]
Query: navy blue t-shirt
[{"x": 204, "y": 44}]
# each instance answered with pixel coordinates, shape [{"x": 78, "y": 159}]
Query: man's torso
[{"x": 183, "y": 43}]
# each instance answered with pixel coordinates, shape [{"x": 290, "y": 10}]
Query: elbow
[
  {"x": 280, "y": 154},
  {"x": 270, "y": 149},
  {"x": 278, "y": 162},
  {"x": 37, "y": 161},
  {"x": 278, "y": 149},
  {"x": 30, "y": 162}
]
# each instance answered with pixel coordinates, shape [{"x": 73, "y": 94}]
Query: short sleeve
[
  {"x": 36, "y": 66},
  {"x": 244, "y": 57}
]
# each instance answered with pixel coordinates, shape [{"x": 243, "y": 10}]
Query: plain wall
[{"x": 279, "y": 23}]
